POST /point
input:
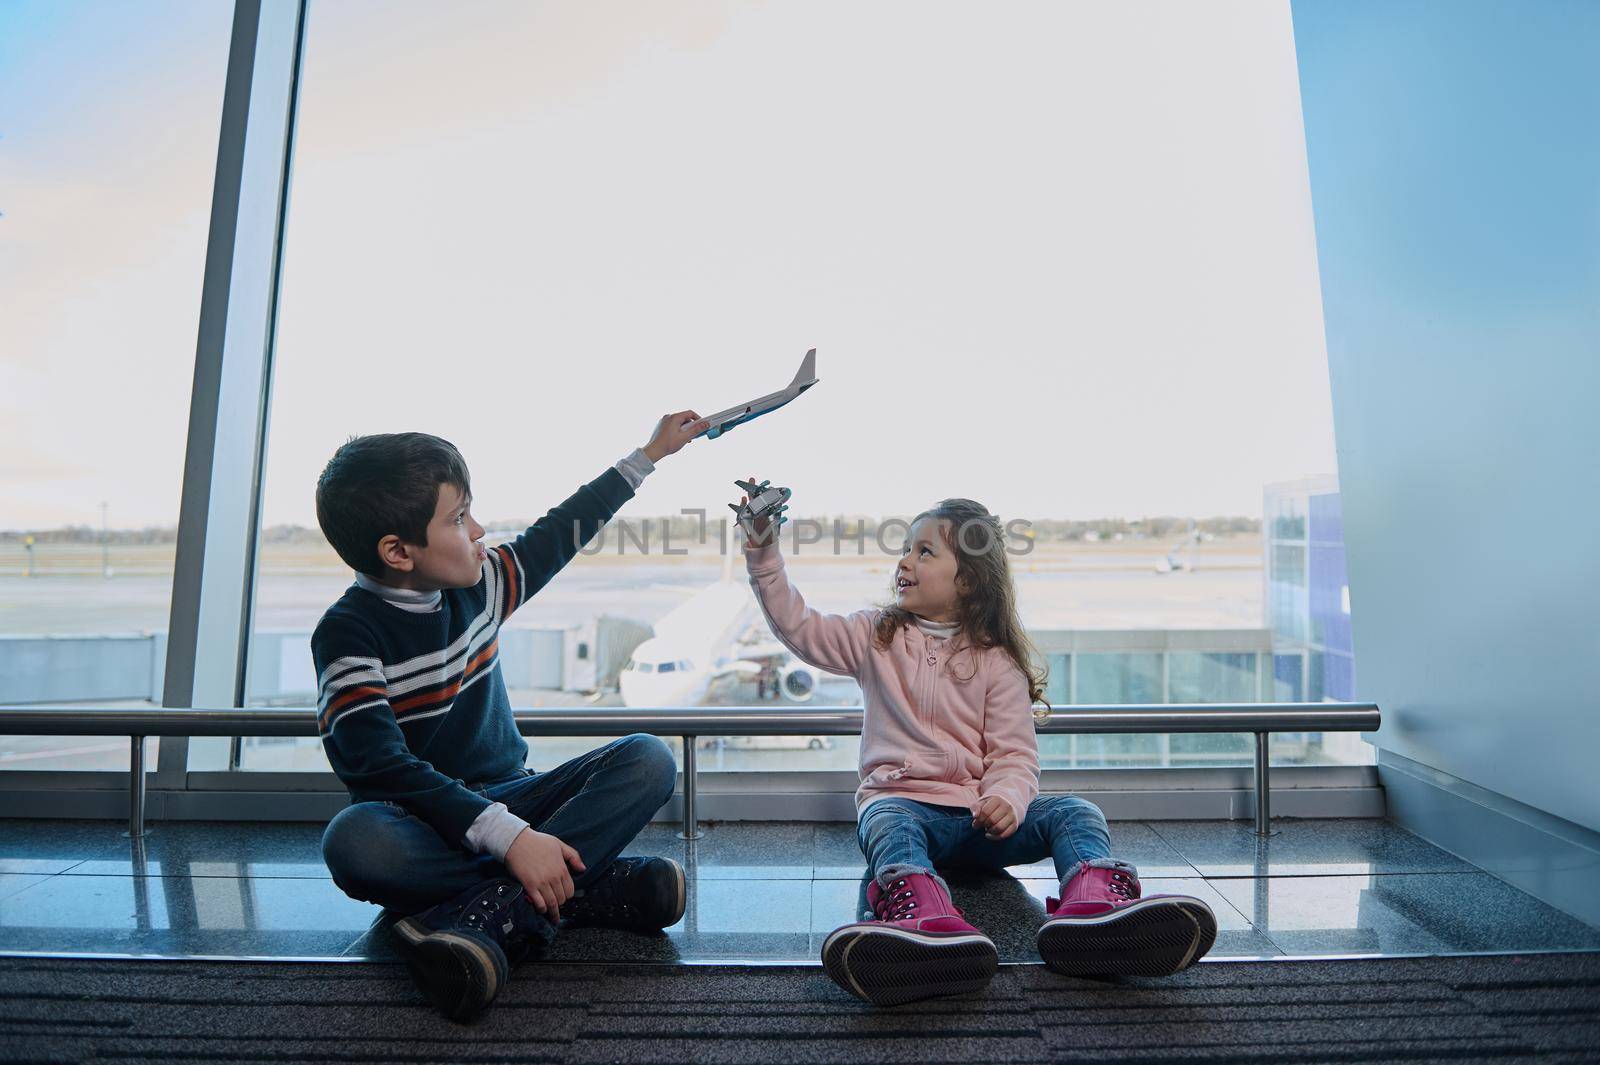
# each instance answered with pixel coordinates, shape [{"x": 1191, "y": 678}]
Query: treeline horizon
[{"x": 686, "y": 529}]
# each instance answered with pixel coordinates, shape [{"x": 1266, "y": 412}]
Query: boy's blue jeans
[
  {"x": 904, "y": 832},
  {"x": 596, "y": 804}
]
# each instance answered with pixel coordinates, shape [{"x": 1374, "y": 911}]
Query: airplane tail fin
[{"x": 808, "y": 370}]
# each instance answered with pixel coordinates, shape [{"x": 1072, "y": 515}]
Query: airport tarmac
[{"x": 1082, "y": 586}]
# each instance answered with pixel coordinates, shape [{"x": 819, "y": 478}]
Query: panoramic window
[
  {"x": 104, "y": 213},
  {"x": 1056, "y": 260}
]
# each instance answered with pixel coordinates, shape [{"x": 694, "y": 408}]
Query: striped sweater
[{"x": 412, "y": 706}]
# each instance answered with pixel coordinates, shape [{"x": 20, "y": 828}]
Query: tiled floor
[{"x": 763, "y": 891}]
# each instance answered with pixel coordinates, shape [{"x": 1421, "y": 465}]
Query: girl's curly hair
[{"x": 986, "y": 606}]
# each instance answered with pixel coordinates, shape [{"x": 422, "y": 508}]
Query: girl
[{"x": 950, "y": 775}]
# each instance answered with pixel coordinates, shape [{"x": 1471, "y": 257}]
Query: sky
[{"x": 1056, "y": 257}]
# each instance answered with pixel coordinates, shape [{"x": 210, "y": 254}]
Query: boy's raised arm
[{"x": 528, "y": 563}]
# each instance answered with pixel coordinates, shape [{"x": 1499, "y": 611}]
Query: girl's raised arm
[{"x": 832, "y": 642}]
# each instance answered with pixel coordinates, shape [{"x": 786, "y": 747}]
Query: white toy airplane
[{"x": 724, "y": 420}]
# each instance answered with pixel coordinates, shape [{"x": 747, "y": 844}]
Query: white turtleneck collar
[
  {"x": 940, "y": 631},
  {"x": 405, "y": 598}
]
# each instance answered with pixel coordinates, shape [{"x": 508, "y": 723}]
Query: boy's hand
[
  {"x": 995, "y": 816},
  {"x": 540, "y": 863},
  {"x": 672, "y": 432}
]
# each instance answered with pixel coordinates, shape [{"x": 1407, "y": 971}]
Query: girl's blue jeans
[
  {"x": 596, "y": 804},
  {"x": 904, "y": 832}
]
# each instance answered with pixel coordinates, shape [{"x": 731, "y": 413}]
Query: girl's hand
[
  {"x": 672, "y": 432},
  {"x": 762, "y": 524},
  {"x": 995, "y": 816}
]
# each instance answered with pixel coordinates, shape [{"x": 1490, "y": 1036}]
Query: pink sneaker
[
  {"x": 1101, "y": 926},
  {"x": 918, "y": 947}
]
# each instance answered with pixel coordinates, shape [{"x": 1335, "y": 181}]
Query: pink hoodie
[{"x": 931, "y": 733}]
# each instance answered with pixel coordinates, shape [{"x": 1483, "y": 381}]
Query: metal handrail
[
  {"x": 1259, "y": 719},
  {"x": 700, "y": 721}
]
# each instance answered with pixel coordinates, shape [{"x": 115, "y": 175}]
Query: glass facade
[
  {"x": 1213, "y": 678},
  {"x": 1118, "y": 678},
  {"x": 502, "y": 292},
  {"x": 103, "y": 225},
  {"x": 1287, "y": 590},
  {"x": 1309, "y": 593},
  {"x": 1231, "y": 675},
  {"x": 544, "y": 223}
]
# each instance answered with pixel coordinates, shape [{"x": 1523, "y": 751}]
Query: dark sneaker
[
  {"x": 460, "y": 952},
  {"x": 1103, "y": 925},
  {"x": 640, "y": 894},
  {"x": 919, "y": 946}
]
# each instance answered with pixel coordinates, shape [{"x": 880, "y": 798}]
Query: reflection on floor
[{"x": 763, "y": 892}]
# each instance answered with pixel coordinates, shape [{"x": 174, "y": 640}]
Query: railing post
[
  {"x": 1263, "y": 788},
  {"x": 691, "y": 829},
  {"x": 136, "y": 788}
]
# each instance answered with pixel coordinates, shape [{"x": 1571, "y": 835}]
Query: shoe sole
[
  {"x": 458, "y": 974},
  {"x": 888, "y": 966},
  {"x": 1152, "y": 937},
  {"x": 683, "y": 893}
]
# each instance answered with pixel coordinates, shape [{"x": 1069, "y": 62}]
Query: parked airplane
[
  {"x": 1181, "y": 557},
  {"x": 707, "y": 637}
]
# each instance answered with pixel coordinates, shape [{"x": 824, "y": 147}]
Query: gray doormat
[{"x": 1538, "y": 1007}]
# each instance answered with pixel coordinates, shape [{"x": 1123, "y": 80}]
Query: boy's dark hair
[{"x": 381, "y": 484}]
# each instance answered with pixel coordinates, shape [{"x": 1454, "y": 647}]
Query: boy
[{"x": 447, "y": 825}]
